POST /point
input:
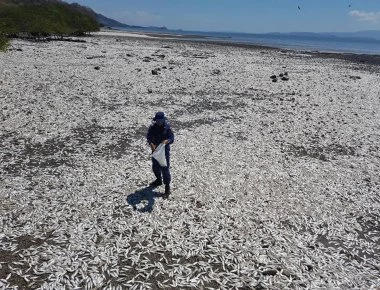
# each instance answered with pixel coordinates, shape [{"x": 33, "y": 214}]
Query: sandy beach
[{"x": 275, "y": 184}]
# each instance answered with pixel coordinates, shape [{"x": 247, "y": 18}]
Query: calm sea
[{"x": 288, "y": 41}]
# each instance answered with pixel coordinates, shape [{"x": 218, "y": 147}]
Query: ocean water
[{"x": 313, "y": 42}]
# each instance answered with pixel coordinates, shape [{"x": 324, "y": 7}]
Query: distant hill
[
  {"x": 53, "y": 17},
  {"x": 374, "y": 34},
  {"x": 105, "y": 21},
  {"x": 108, "y": 22},
  {"x": 45, "y": 17},
  {"x": 31, "y": 2}
]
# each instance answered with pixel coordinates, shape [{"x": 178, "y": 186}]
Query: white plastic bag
[{"x": 159, "y": 155}]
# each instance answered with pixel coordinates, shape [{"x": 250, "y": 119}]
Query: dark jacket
[{"x": 157, "y": 134}]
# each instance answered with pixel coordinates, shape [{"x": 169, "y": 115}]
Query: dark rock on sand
[
  {"x": 309, "y": 267},
  {"x": 154, "y": 72},
  {"x": 97, "y": 67},
  {"x": 265, "y": 245},
  {"x": 216, "y": 71},
  {"x": 285, "y": 78},
  {"x": 95, "y": 56},
  {"x": 269, "y": 272},
  {"x": 150, "y": 91},
  {"x": 19, "y": 49},
  {"x": 147, "y": 59},
  {"x": 274, "y": 80},
  {"x": 273, "y": 77}
]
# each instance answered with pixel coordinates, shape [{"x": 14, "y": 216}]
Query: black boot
[
  {"x": 156, "y": 183},
  {"x": 167, "y": 191}
]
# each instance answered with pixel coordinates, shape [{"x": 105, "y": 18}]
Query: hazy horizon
[{"x": 245, "y": 16}]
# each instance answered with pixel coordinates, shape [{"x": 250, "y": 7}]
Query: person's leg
[
  {"x": 166, "y": 171},
  {"x": 166, "y": 175},
  {"x": 157, "y": 172}
]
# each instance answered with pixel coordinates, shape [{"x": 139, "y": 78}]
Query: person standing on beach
[{"x": 160, "y": 132}]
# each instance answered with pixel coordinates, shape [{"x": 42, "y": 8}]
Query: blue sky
[{"x": 254, "y": 16}]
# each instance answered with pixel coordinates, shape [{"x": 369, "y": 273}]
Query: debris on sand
[
  {"x": 275, "y": 186},
  {"x": 215, "y": 72}
]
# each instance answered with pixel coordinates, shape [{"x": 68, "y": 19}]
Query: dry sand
[
  {"x": 275, "y": 185},
  {"x": 120, "y": 34}
]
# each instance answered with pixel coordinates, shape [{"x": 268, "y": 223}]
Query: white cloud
[
  {"x": 137, "y": 18},
  {"x": 373, "y": 17}
]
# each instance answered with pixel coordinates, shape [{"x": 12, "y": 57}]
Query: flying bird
[{"x": 299, "y": 8}]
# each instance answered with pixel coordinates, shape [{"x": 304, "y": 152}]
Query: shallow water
[{"x": 312, "y": 42}]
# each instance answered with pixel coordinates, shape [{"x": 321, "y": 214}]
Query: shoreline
[{"x": 365, "y": 59}]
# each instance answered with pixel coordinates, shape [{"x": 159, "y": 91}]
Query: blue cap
[{"x": 159, "y": 116}]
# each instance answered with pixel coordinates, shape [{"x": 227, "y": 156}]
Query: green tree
[
  {"x": 3, "y": 42},
  {"x": 45, "y": 18}
]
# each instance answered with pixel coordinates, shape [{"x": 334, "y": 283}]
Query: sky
[{"x": 250, "y": 16}]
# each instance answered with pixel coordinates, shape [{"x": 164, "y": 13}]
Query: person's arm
[
  {"x": 170, "y": 138},
  {"x": 149, "y": 139}
]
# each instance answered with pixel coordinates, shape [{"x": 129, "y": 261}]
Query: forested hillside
[{"x": 40, "y": 18}]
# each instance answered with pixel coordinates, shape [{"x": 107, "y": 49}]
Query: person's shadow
[{"x": 143, "y": 200}]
